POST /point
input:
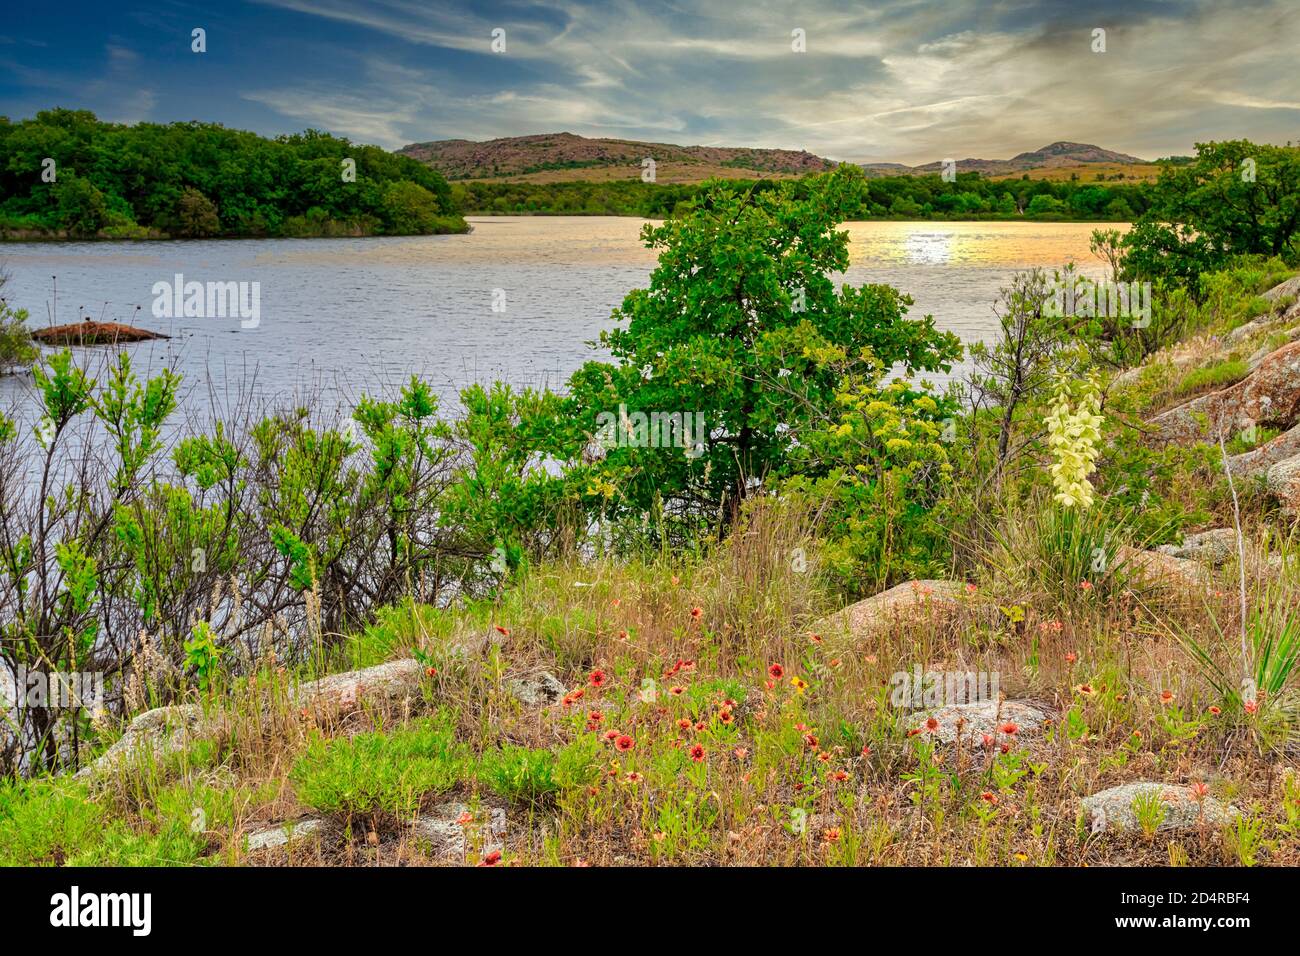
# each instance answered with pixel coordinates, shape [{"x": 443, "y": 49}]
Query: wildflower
[
  {"x": 932, "y": 724},
  {"x": 700, "y": 725},
  {"x": 633, "y": 777},
  {"x": 431, "y": 672},
  {"x": 824, "y": 757},
  {"x": 725, "y": 716},
  {"x": 1071, "y": 657},
  {"x": 1085, "y": 585},
  {"x": 866, "y": 750},
  {"x": 622, "y": 635},
  {"x": 810, "y": 740},
  {"x": 835, "y": 662},
  {"x": 1199, "y": 791},
  {"x": 832, "y": 835},
  {"x": 596, "y": 678},
  {"x": 1087, "y": 690},
  {"x": 1214, "y": 710},
  {"x": 1074, "y": 436},
  {"x": 971, "y": 589},
  {"x": 1009, "y": 728},
  {"x": 677, "y": 691},
  {"x": 676, "y": 580},
  {"x": 595, "y": 716},
  {"x": 1166, "y": 697},
  {"x": 696, "y": 612},
  {"x": 799, "y": 684},
  {"x": 465, "y": 819},
  {"x": 684, "y": 724},
  {"x": 987, "y": 741},
  {"x": 624, "y": 743},
  {"x": 741, "y": 753},
  {"x": 775, "y": 671},
  {"x": 697, "y": 753},
  {"x": 1251, "y": 706},
  {"x": 660, "y": 836},
  {"x": 815, "y": 638},
  {"x": 989, "y": 797},
  {"x": 611, "y": 735},
  {"x": 492, "y": 859}
]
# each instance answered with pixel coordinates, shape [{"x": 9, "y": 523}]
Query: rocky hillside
[
  {"x": 564, "y": 156},
  {"x": 1056, "y": 155}
]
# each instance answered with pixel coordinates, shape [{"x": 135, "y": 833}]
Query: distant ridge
[
  {"x": 566, "y": 156},
  {"x": 1052, "y": 156}
]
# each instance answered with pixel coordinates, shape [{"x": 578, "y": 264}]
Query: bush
[{"x": 381, "y": 776}]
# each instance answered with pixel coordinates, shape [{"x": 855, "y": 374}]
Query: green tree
[
  {"x": 737, "y": 311},
  {"x": 82, "y": 210},
  {"x": 196, "y": 215}
]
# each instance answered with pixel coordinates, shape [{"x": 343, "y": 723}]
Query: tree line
[{"x": 67, "y": 174}]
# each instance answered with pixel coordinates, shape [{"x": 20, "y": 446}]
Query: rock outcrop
[
  {"x": 1283, "y": 480},
  {"x": 908, "y": 603},
  {"x": 392, "y": 681},
  {"x": 1113, "y": 810},
  {"x": 448, "y": 837},
  {"x": 1268, "y": 396},
  {"x": 1000, "y": 721},
  {"x": 1162, "y": 570},
  {"x": 284, "y": 834},
  {"x": 153, "y": 735},
  {"x": 536, "y": 690},
  {"x": 1214, "y": 547}
]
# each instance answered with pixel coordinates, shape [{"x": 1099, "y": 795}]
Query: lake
[{"x": 516, "y": 299}]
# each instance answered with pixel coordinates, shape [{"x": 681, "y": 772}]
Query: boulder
[
  {"x": 1283, "y": 290},
  {"x": 1283, "y": 480},
  {"x": 1268, "y": 396},
  {"x": 283, "y": 834},
  {"x": 536, "y": 690},
  {"x": 1112, "y": 810},
  {"x": 971, "y": 722},
  {"x": 156, "y": 733},
  {"x": 908, "y": 603},
  {"x": 392, "y": 681},
  {"x": 1283, "y": 446},
  {"x": 1162, "y": 570},
  {"x": 1214, "y": 547}
]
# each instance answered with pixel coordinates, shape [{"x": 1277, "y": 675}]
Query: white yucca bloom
[{"x": 1074, "y": 437}]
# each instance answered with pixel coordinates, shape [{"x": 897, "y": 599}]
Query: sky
[{"x": 907, "y": 81}]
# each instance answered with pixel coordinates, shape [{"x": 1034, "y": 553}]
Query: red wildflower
[
  {"x": 776, "y": 671},
  {"x": 696, "y": 612},
  {"x": 492, "y": 859},
  {"x": 624, "y": 744},
  {"x": 596, "y": 678},
  {"x": 697, "y": 753}
]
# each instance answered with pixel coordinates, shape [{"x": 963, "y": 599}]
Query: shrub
[{"x": 382, "y": 776}]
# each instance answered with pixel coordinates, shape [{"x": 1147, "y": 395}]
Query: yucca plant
[{"x": 1263, "y": 684}]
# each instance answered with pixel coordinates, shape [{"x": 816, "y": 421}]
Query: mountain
[
  {"x": 1061, "y": 156},
  {"x": 556, "y": 157}
]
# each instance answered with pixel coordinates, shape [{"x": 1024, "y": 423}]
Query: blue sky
[{"x": 900, "y": 80}]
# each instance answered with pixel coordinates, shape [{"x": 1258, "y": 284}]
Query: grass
[{"x": 709, "y": 721}]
